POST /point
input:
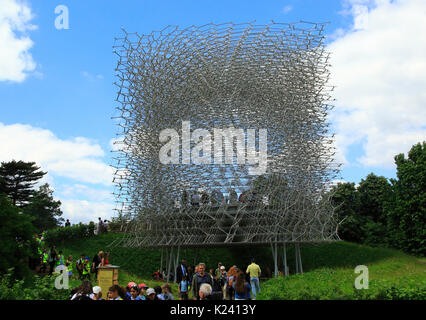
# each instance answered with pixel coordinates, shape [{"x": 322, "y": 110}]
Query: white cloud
[
  {"x": 91, "y": 77},
  {"x": 86, "y": 211},
  {"x": 287, "y": 9},
  {"x": 71, "y": 191},
  {"x": 77, "y": 158},
  {"x": 15, "y": 59},
  {"x": 379, "y": 68}
]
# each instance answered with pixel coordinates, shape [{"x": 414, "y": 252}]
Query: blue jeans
[{"x": 254, "y": 282}]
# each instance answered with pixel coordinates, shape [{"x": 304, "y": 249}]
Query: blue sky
[{"x": 57, "y": 92}]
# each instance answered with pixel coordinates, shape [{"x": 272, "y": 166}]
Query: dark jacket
[
  {"x": 180, "y": 274},
  {"x": 198, "y": 280}
]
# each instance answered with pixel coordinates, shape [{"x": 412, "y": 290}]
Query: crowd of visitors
[
  {"x": 195, "y": 283},
  {"x": 218, "y": 285}
]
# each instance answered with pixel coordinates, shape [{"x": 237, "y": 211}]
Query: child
[
  {"x": 86, "y": 269},
  {"x": 166, "y": 292},
  {"x": 68, "y": 263},
  {"x": 183, "y": 288}
]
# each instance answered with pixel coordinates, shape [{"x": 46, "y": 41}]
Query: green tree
[
  {"x": 406, "y": 213},
  {"x": 374, "y": 192},
  {"x": 16, "y": 242},
  {"x": 17, "y": 179},
  {"x": 345, "y": 198},
  {"x": 45, "y": 211}
]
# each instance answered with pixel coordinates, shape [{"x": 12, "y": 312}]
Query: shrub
[
  {"x": 37, "y": 288},
  {"x": 62, "y": 235}
]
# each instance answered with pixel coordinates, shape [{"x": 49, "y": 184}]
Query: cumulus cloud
[
  {"x": 93, "y": 194},
  {"x": 86, "y": 211},
  {"x": 379, "y": 68},
  {"x": 78, "y": 158},
  {"x": 16, "y": 60}
]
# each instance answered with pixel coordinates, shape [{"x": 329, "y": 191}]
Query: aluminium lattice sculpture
[{"x": 216, "y": 77}]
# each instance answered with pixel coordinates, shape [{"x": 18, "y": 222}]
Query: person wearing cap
[
  {"x": 97, "y": 293},
  {"x": 223, "y": 277},
  {"x": 134, "y": 292},
  {"x": 254, "y": 271},
  {"x": 86, "y": 269},
  {"x": 151, "y": 295},
  {"x": 128, "y": 287},
  {"x": 142, "y": 291}
]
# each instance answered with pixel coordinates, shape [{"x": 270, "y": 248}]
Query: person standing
[
  {"x": 183, "y": 288},
  {"x": 44, "y": 261},
  {"x": 97, "y": 259},
  {"x": 254, "y": 271},
  {"x": 199, "y": 278},
  {"x": 222, "y": 280},
  {"x": 100, "y": 226},
  {"x": 67, "y": 223},
  {"x": 52, "y": 259},
  {"x": 241, "y": 287},
  {"x": 68, "y": 263},
  {"x": 231, "y": 276},
  {"x": 79, "y": 264},
  {"x": 86, "y": 269},
  {"x": 181, "y": 271},
  {"x": 60, "y": 260},
  {"x": 218, "y": 272}
]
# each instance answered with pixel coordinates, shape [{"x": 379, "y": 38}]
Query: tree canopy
[{"x": 17, "y": 179}]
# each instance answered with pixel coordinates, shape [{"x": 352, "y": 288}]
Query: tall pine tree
[{"x": 17, "y": 179}]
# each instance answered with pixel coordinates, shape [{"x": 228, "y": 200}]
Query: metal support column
[
  {"x": 296, "y": 258},
  {"x": 285, "y": 261},
  {"x": 169, "y": 264},
  {"x": 300, "y": 258}
]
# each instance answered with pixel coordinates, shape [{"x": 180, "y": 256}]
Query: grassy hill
[{"x": 329, "y": 268}]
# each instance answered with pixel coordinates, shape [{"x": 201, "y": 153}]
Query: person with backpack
[
  {"x": 60, "y": 260},
  {"x": 68, "y": 263},
  {"x": 86, "y": 269},
  {"x": 242, "y": 287},
  {"x": 44, "y": 261},
  {"x": 199, "y": 278},
  {"x": 79, "y": 264}
]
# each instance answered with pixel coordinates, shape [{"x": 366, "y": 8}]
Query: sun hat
[
  {"x": 131, "y": 284},
  {"x": 222, "y": 268},
  {"x": 150, "y": 291},
  {"x": 96, "y": 289},
  {"x": 142, "y": 285}
]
